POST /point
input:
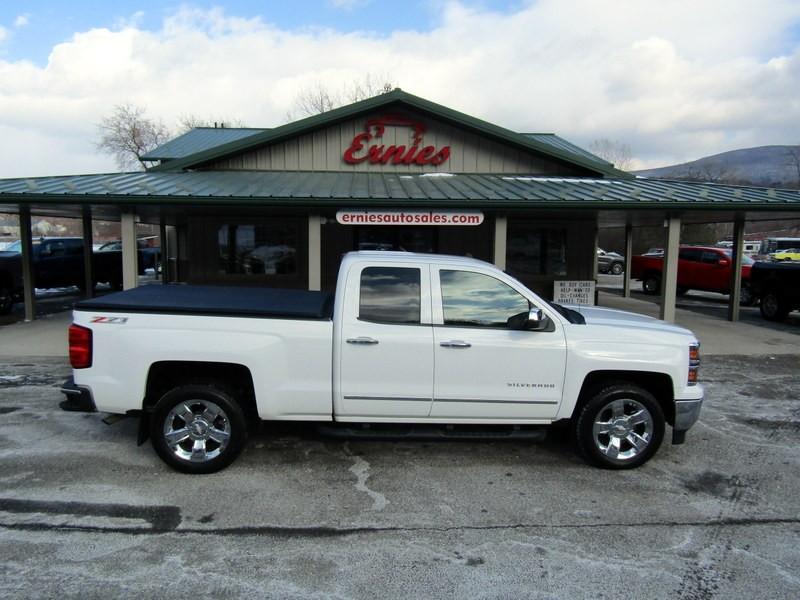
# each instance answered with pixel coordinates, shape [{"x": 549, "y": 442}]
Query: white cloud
[
  {"x": 3, "y": 34},
  {"x": 22, "y": 20},
  {"x": 674, "y": 80}
]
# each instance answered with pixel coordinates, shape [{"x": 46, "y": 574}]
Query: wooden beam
[
  {"x": 88, "y": 262},
  {"x": 500, "y": 234},
  {"x": 669, "y": 274},
  {"x": 736, "y": 267},
  {"x": 130, "y": 251},
  {"x": 28, "y": 275},
  {"x": 314, "y": 252},
  {"x": 626, "y": 274}
]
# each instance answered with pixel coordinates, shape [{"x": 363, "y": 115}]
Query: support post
[
  {"x": 88, "y": 254},
  {"x": 130, "y": 251},
  {"x": 626, "y": 274},
  {"x": 500, "y": 235},
  {"x": 314, "y": 252},
  {"x": 163, "y": 255},
  {"x": 669, "y": 274},
  {"x": 736, "y": 267},
  {"x": 28, "y": 283}
]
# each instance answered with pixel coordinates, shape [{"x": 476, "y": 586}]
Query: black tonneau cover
[{"x": 213, "y": 300}]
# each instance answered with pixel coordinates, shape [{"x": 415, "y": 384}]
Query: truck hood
[{"x": 596, "y": 315}]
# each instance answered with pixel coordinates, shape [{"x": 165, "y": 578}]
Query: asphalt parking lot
[{"x": 86, "y": 513}]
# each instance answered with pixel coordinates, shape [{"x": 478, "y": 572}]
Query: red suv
[{"x": 705, "y": 268}]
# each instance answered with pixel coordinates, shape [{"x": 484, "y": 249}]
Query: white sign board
[
  {"x": 573, "y": 292},
  {"x": 408, "y": 217}
]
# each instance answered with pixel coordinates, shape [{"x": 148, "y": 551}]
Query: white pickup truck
[{"x": 407, "y": 339}]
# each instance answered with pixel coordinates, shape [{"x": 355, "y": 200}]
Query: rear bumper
[
  {"x": 79, "y": 399},
  {"x": 687, "y": 412}
]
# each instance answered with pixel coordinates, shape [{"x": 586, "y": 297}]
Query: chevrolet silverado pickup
[{"x": 407, "y": 339}]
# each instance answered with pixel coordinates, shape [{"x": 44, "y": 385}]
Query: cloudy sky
[{"x": 673, "y": 79}]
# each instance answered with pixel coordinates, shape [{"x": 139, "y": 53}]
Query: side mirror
[{"x": 533, "y": 320}]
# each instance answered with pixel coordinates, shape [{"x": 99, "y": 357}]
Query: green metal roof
[
  {"x": 558, "y": 142},
  {"x": 396, "y": 98},
  {"x": 312, "y": 188},
  {"x": 199, "y": 139}
]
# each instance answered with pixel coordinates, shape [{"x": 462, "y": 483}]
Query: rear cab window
[{"x": 390, "y": 295}]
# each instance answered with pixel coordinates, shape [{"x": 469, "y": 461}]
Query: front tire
[
  {"x": 746, "y": 295},
  {"x": 198, "y": 428},
  {"x": 620, "y": 427}
]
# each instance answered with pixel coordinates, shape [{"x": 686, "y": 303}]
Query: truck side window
[
  {"x": 390, "y": 295},
  {"x": 477, "y": 300}
]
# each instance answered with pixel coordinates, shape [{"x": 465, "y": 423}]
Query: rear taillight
[
  {"x": 80, "y": 347},
  {"x": 694, "y": 362}
]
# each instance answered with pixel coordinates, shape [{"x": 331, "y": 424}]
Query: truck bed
[{"x": 212, "y": 300}]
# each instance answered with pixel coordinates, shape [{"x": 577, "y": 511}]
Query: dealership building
[{"x": 280, "y": 207}]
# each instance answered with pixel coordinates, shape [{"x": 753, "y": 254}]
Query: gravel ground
[{"x": 85, "y": 513}]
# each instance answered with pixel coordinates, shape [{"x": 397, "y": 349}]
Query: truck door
[
  {"x": 484, "y": 370},
  {"x": 385, "y": 344}
]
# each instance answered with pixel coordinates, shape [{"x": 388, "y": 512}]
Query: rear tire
[
  {"x": 6, "y": 300},
  {"x": 620, "y": 427},
  {"x": 617, "y": 269},
  {"x": 198, "y": 428},
  {"x": 773, "y": 307},
  {"x": 651, "y": 284}
]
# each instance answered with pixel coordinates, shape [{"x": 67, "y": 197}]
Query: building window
[
  {"x": 390, "y": 295},
  {"x": 476, "y": 300},
  {"x": 245, "y": 249},
  {"x": 532, "y": 251}
]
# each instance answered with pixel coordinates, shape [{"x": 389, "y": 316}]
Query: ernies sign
[{"x": 379, "y": 154}]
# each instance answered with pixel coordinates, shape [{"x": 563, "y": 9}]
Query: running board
[{"x": 415, "y": 431}]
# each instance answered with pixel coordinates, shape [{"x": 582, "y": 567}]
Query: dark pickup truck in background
[
  {"x": 57, "y": 262},
  {"x": 778, "y": 286}
]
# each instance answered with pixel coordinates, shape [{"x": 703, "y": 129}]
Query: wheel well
[
  {"x": 165, "y": 375},
  {"x": 658, "y": 384}
]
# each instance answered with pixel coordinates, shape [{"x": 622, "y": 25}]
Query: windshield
[
  {"x": 746, "y": 260},
  {"x": 14, "y": 247}
]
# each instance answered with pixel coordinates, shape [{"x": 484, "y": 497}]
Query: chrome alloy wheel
[
  {"x": 623, "y": 429},
  {"x": 197, "y": 430}
]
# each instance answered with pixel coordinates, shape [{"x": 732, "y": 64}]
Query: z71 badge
[{"x": 110, "y": 320}]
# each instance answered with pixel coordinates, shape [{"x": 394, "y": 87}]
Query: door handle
[
  {"x": 364, "y": 341},
  {"x": 455, "y": 344}
]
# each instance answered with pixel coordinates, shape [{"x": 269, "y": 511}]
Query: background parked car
[
  {"x": 790, "y": 254},
  {"x": 705, "y": 268},
  {"x": 57, "y": 262},
  {"x": 149, "y": 256},
  {"x": 610, "y": 262}
]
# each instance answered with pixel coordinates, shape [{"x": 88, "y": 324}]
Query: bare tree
[
  {"x": 616, "y": 152},
  {"x": 318, "y": 98},
  {"x": 189, "y": 121},
  {"x": 711, "y": 172},
  {"x": 128, "y": 134}
]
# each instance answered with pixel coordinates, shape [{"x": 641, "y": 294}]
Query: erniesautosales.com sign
[{"x": 408, "y": 217}]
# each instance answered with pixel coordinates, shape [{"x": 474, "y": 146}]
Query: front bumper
[
  {"x": 686, "y": 414},
  {"x": 79, "y": 399}
]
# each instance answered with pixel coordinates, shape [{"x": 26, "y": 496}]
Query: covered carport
[{"x": 162, "y": 197}]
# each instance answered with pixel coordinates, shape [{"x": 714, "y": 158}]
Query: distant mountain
[{"x": 770, "y": 166}]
